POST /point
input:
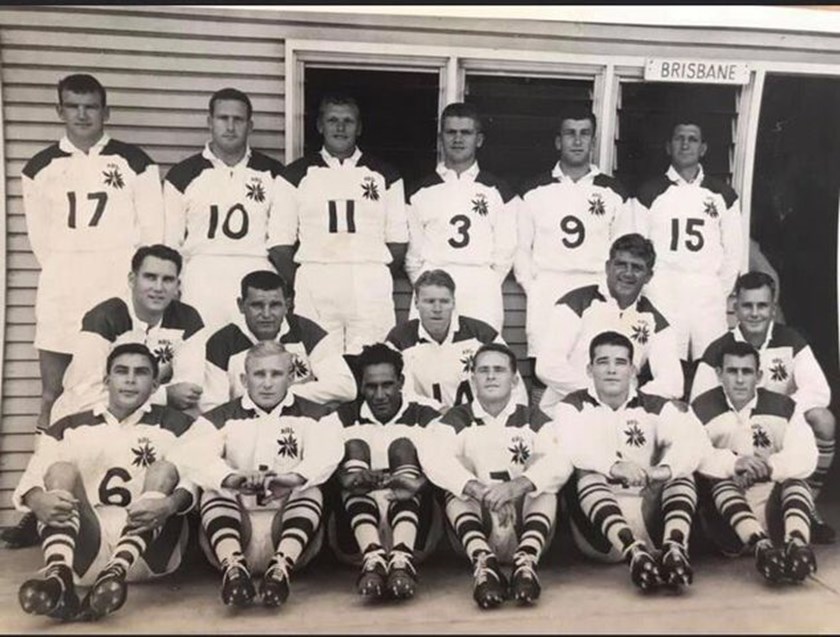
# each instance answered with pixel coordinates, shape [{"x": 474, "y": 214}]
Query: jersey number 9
[{"x": 574, "y": 229}]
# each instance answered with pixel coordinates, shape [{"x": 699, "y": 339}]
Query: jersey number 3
[
  {"x": 101, "y": 198},
  {"x": 462, "y": 225}
]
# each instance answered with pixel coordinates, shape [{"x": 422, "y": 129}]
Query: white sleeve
[
  {"x": 47, "y": 452},
  {"x": 551, "y": 467},
  {"x": 416, "y": 239},
  {"x": 640, "y": 217},
  {"x": 439, "y": 449},
  {"x": 175, "y": 216},
  {"x": 812, "y": 388},
  {"x": 333, "y": 378},
  {"x": 585, "y": 442},
  {"x": 188, "y": 362},
  {"x": 731, "y": 236},
  {"x": 705, "y": 378},
  {"x": 396, "y": 223},
  {"x": 200, "y": 456},
  {"x": 665, "y": 366},
  {"x": 85, "y": 376},
  {"x": 216, "y": 387},
  {"x": 554, "y": 367},
  {"x": 283, "y": 221},
  {"x": 36, "y": 208},
  {"x": 523, "y": 262},
  {"x": 684, "y": 440},
  {"x": 148, "y": 206},
  {"x": 504, "y": 238},
  {"x": 714, "y": 462},
  {"x": 624, "y": 222},
  {"x": 798, "y": 456},
  {"x": 323, "y": 450}
]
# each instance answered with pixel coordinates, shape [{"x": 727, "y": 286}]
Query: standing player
[
  {"x": 347, "y": 210},
  {"x": 320, "y": 373},
  {"x": 90, "y": 201},
  {"x": 172, "y": 330},
  {"x": 569, "y": 218},
  {"x": 463, "y": 220},
  {"x": 788, "y": 366},
  {"x": 635, "y": 454},
  {"x": 438, "y": 347},
  {"x": 219, "y": 205},
  {"x": 501, "y": 470},
  {"x": 694, "y": 222},
  {"x": 619, "y": 305},
  {"x": 763, "y": 451},
  {"x": 387, "y": 520},
  {"x": 106, "y": 495},
  {"x": 260, "y": 459}
]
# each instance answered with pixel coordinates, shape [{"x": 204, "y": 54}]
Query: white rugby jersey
[
  {"x": 584, "y": 313},
  {"x": 771, "y": 426},
  {"x": 111, "y": 455},
  {"x": 466, "y": 219},
  {"x": 409, "y": 422},
  {"x": 566, "y": 225},
  {"x": 107, "y": 199},
  {"x": 320, "y": 372},
  {"x": 646, "y": 430},
  {"x": 441, "y": 371},
  {"x": 213, "y": 208},
  {"x": 787, "y": 362},
  {"x": 296, "y": 436},
  {"x": 516, "y": 443},
  {"x": 177, "y": 342},
  {"x": 694, "y": 227},
  {"x": 341, "y": 211}
]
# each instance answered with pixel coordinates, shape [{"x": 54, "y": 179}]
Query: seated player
[
  {"x": 635, "y": 454},
  {"x": 501, "y": 470},
  {"x": 617, "y": 304},
  {"x": 387, "y": 519},
  {"x": 260, "y": 463},
  {"x": 173, "y": 332},
  {"x": 438, "y": 347},
  {"x": 106, "y": 495},
  {"x": 761, "y": 450},
  {"x": 788, "y": 366},
  {"x": 320, "y": 372}
]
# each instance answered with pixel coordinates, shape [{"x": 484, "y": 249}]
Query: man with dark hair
[
  {"x": 438, "y": 347},
  {"x": 106, "y": 493},
  {"x": 694, "y": 222},
  {"x": 220, "y": 207},
  {"x": 788, "y": 366},
  {"x": 150, "y": 314},
  {"x": 319, "y": 371},
  {"x": 501, "y": 470},
  {"x": 463, "y": 219},
  {"x": 346, "y": 211},
  {"x": 387, "y": 520},
  {"x": 615, "y": 304},
  {"x": 757, "y": 455},
  {"x": 570, "y": 215},
  {"x": 634, "y": 454}
]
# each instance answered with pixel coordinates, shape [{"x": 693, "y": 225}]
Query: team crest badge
[
  {"x": 596, "y": 206},
  {"x": 519, "y": 451},
  {"x": 113, "y": 177},
  {"x": 760, "y": 438},
  {"x": 467, "y": 361},
  {"x": 710, "y": 208},
  {"x": 369, "y": 189},
  {"x": 255, "y": 191},
  {"x": 635, "y": 436},
  {"x": 164, "y": 353},
  {"x": 144, "y": 453},
  {"x": 479, "y": 205},
  {"x": 299, "y": 367},
  {"x": 640, "y": 333},
  {"x": 287, "y": 446},
  {"x": 778, "y": 371}
]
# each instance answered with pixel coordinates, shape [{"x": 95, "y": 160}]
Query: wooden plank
[
  {"x": 20, "y": 297},
  {"x": 18, "y": 424},
  {"x": 21, "y": 350},
  {"x": 17, "y": 443},
  {"x": 14, "y": 461},
  {"x": 21, "y": 369},
  {"x": 22, "y": 261},
  {"x": 20, "y": 316},
  {"x": 23, "y": 278},
  {"x": 21, "y": 388},
  {"x": 10, "y": 479}
]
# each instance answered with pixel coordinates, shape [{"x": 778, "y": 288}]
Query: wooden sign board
[{"x": 696, "y": 71}]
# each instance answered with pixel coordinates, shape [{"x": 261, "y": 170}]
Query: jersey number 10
[{"x": 236, "y": 210}]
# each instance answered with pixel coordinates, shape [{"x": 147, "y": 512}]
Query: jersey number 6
[{"x": 118, "y": 496}]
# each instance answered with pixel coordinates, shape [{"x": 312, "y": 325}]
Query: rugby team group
[{"x": 224, "y": 346}]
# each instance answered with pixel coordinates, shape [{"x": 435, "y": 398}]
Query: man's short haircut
[
  {"x": 231, "y": 94},
  {"x": 156, "y": 250},
  {"x": 380, "y": 354},
  {"x": 82, "y": 83},
  {"x": 687, "y": 118},
  {"x": 496, "y": 347},
  {"x": 462, "y": 109},
  {"x": 337, "y": 99},
  {"x": 755, "y": 280},
  {"x": 131, "y": 348},
  {"x": 576, "y": 111},
  {"x": 610, "y": 338},
  {"x": 440, "y": 278},
  {"x": 739, "y": 349},
  {"x": 263, "y": 280},
  {"x": 266, "y": 348},
  {"x": 637, "y": 245}
]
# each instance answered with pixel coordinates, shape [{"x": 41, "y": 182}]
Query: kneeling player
[
  {"x": 104, "y": 495},
  {"x": 635, "y": 454},
  {"x": 260, "y": 463},
  {"x": 501, "y": 469},
  {"x": 388, "y": 519},
  {"x": 763, "y": 451}
]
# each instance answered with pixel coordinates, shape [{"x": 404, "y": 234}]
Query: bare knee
[
  {"x": 62, "y": 475},
  {"x": 161, "y": 476},
  {"x": 822, "y": 422}
]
